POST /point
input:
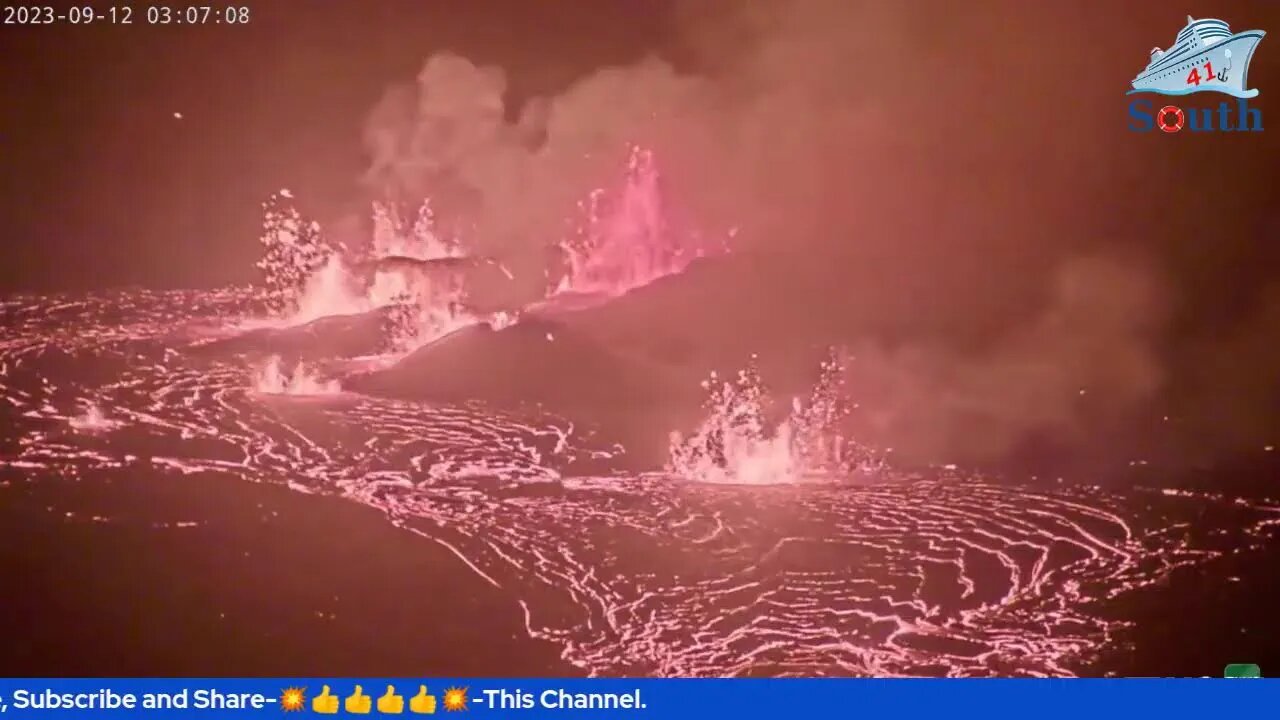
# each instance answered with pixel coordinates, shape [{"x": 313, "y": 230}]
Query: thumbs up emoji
[
  {"x": 324, "y": 703},
  {"x": 422, "y": 703},
  {"x": 358, "y": 703},
  {"x": 391, "y": 703}
]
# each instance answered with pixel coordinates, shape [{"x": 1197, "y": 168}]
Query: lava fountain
[
  {"x": 735, "y": 444},
  {"x": 417, "y": 274},
  {"x": 273, "y": 379},
  {"x": 624, "y": 240}
]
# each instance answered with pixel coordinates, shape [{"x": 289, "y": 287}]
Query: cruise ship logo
[{"x": 1205, "y": 57}]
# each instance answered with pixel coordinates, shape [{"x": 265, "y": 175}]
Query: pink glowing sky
[{"x": 973, "y": 216}]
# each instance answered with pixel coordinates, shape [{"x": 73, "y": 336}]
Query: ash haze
[
  {"x": 974, "y": 224},
  {"x": 1007, "y": 264}
]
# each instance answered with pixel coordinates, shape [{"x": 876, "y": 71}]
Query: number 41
[{"x": 1194, "y": 78}]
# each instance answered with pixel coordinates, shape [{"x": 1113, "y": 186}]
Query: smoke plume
[{"x": 916, "y": 184}]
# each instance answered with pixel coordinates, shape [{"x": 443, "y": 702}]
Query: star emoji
[
  {"x": 292, "y": 699},
  {"x": 455, "y": 698}
]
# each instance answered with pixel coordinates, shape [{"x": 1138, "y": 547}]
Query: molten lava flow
[
  {"x": 937, "y": 574},
  {"x": 624, "y": 241},
  {"x": 735, "y": 445},
  {"x": 272, "y": 379}
]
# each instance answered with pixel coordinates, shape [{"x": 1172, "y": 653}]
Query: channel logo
[{"x": 1205, "y": 57}]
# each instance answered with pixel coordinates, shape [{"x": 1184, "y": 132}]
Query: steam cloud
[{"x": 939, "y": 238}]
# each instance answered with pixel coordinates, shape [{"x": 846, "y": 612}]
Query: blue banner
[{"x": 665, "y": 699}]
